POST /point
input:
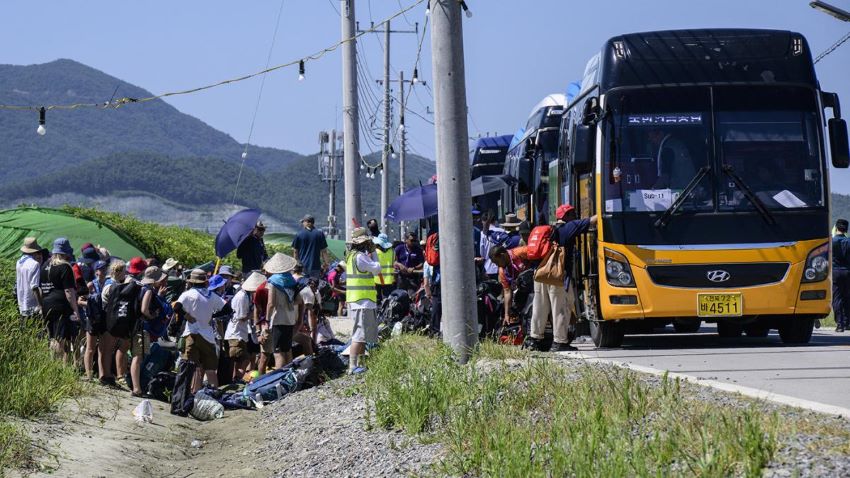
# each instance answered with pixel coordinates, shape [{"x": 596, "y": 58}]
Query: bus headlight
[
  {"x": 617, "y": 269},
  {"x": 817, "y": 264}
]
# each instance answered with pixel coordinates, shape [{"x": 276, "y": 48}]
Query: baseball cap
[{"x": 562, "y": 210}]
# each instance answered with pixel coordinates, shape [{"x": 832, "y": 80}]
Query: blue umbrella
[
  {"x": 235, "y": 230},
  {"x": 417, "y": 203}
]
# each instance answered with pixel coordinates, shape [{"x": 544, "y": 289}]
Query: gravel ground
[{"x": 322, "y": 432}]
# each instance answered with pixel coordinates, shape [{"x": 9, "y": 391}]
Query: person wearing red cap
[{"x": 557, "y": 299}]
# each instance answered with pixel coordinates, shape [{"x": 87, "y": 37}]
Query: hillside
[{"x": 150, "y": 151}]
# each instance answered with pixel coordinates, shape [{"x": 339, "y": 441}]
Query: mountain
[{"x": 149, "y": 150}]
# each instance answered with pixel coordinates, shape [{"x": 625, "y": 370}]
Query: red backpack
[
  {"x": 539, "y": 242},
  {"x": 432, "y": 250}
]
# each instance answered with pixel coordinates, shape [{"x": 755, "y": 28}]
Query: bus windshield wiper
[
  {"x": 749, "y": 194},
  {"x": 677, "y": 204}
]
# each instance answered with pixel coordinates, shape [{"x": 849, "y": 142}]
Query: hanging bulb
[
  {"x": 401, "y": 127},
  {"x": 42, "y": 114},
  {"x": 393, "y": 155},
  {"x": 428, "y": 8},
  {"x": 415, "y": 76},
  {"x": 381, "y": 171},
  {"x": 244, "y": 154},
  {"x": 466, "y": 9},
  {"x": 362, "y": 167},
  {"x": 301, "y": 70}
]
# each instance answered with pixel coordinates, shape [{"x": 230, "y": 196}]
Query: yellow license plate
[{"x": 720, "y": 305}]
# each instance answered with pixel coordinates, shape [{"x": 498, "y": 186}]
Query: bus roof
[
  {"x": 703, "y": 56},
  {"x": 555, "y": 99},
  {"x": 494, "y": 142}
]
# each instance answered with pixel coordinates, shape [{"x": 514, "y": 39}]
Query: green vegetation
[{"x": 544, "y": 419}]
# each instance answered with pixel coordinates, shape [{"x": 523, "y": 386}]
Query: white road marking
[{"x": 726, "y": 387}]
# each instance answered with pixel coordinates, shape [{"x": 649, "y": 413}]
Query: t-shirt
[
  {"x": 285, "y": 312},
  {"x": 412, "y": 258},
  {"x": 236, "y": 328},
  {"x": 261, "y": 299},
  {"x": 27, "y": 278},
  {"x": 486, "y": 244},
  {"x": 840, "y": 252},
  {"x": 566, "y": 238},
  {"x": 519, "y": 262},
  {"x": 201, "y": 305},
  {"x": 310, "y": 243},
  {"x": 54, "y": 280}
]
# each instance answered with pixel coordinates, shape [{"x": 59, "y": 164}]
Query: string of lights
[{"x": 117, "y": 103}]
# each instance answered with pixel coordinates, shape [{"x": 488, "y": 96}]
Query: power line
[
  {"x": 124, "y": 101},
  {"x": 833, "y": 47},
  {"x": 257, "y": 105}
]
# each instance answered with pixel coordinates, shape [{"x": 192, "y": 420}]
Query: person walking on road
[
  {"x": 841, "y": 276},
  {"x": 252, "y": 250},
  {"x": 310, "y": 247},
  {"x": 361, "y": 296}
]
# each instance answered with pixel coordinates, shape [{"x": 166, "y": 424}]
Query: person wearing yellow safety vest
[
  {"x": 361, "y": 296},
  {"x": 385, "y": 283}
]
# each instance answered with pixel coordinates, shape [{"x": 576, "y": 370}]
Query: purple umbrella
[
  {"x": 235, "y": 230},
  {"x": 417, "y": 203}
]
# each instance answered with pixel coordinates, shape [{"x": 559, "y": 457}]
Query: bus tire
[
  {"x": 687, "y": 326},
  {"x": 728, "y": 330},
  {"x": 606, "y": 334},
  {"x": 796, "y": 330}
]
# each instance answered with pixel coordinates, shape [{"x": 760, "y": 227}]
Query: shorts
[
  {"x": 365, "y": 328},
  {"x": 267, "y": 347},
  {"x": 201, "y": 352},
  {"x": 237, "y": 348},
  {"x": 59, "y": 324},
  {"x": 282, "y": 338},
  {"x": 140, "y": 344}
]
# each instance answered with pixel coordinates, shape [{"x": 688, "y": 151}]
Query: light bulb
[
  {"x": 244, "y": 154},
  {"x": 41, "y": 130},
  {"x": 361, "y": 167},
  {"x": 401, "y": 127},
  {"x": 381, "y": 171},
  {"x": 300, "y": 77},
  {"x": 468, "y": 13},
  {"x": 394, "y": 156},
  {"x": 427, "y": 10},
  {"x": 301, "y": 70}
]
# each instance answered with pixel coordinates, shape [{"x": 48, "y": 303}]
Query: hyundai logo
[{"x": 718, "y": 275}]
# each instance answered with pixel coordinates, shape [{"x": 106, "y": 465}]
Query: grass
[{"x": 542, "y": 419}]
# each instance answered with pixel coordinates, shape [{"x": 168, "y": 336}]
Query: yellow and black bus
[{"x": 703, "y": 154}]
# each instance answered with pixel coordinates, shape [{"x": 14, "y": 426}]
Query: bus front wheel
[
  {"x": 796, "y": 330},
  {"x": 606, "y": 334}
]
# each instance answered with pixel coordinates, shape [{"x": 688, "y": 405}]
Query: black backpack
[{"x": 124, "y": 309}]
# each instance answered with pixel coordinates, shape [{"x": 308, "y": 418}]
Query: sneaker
[
  {"x": 533, "y": 344},
  {"x": 122, "y": 382},
  {"x": 358, "y": 371},
  {"x": 840, "y": 328},
  {"x": 558, "y": 347}
]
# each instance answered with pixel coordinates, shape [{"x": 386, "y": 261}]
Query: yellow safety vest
[
  {"x": 387, "y": 260},
  {"x": 358, "y": 285}
]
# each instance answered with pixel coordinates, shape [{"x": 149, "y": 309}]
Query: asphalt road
[{"x": 818, "y": 372}]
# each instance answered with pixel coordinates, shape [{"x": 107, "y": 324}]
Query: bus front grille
[{"x": 718, "y": 276}]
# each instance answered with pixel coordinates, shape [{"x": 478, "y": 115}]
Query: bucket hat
[
  {"x": 197, "y": 276},
  {"x": 226, "y": 271},
  {"x": 360, "y": 236},
  {"x": 280, "y": 263},
  {"x": 30, "y": 246},
  {"x": 62, "y": 246},
  {"x": 383, "y": 240},
  {"x": 137, "y": 265},
  {"x": 216, "y": 281},
  {"x": 153, "y": 274}
]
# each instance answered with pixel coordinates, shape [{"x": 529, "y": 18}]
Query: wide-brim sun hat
[
  {"x": 30, "y": 246},
  {"x": 280, "y": 263},
  {"x": 153, "y": 274},
  {"x": 511, "y": 221},
  {"x": 253, "y": 282},
  {"x": 360, "y": 236},
  {"x": 216, "y": 281},
  {"x": 197, "y": 276},
  {"x": 226, "y": 271},
  {"x": 170, "y": 263},
  {"x": 383, "y": 241}
]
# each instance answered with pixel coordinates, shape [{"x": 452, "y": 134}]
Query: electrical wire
[
  {"x": 257, "y": 104},
  {"x": 125, "y": 101},
  {"x": 833, "y": 47}
]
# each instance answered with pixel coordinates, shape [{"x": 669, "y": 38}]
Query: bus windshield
[{"x": 760, "y": 142}]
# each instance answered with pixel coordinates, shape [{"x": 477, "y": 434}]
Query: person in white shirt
[
  {"x": 199, "y": 305},
  {"x": 238, "y": 332},
  {"x": 28, "y": 278}
]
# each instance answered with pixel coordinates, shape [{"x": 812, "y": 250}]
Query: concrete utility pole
[
  {"x": 385, "y": 155},
  {"x": 334, "y": 232},
  {"x": 351, "y": 130},
  {"x": 402, "y": 227},
  {"x": 453, "y": 192}
]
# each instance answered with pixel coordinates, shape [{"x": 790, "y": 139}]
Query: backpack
[
  {"x": 540, "y": 242},
  {"x": 124, "y": 309},
  {"x": 273, "y": 385},
  {"x": 432, "y": 250},
  {"x": 158, "y": 327},
  {"x": 182, "y": 399}
]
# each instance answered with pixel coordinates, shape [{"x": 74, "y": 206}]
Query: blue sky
[{"x": 516, "y": 53}]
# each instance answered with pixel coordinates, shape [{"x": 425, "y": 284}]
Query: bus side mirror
[
  {"x": 584, "y": 148},
  {"x": 590, "y": 114},
  {"x": 838, "y": 143}
]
